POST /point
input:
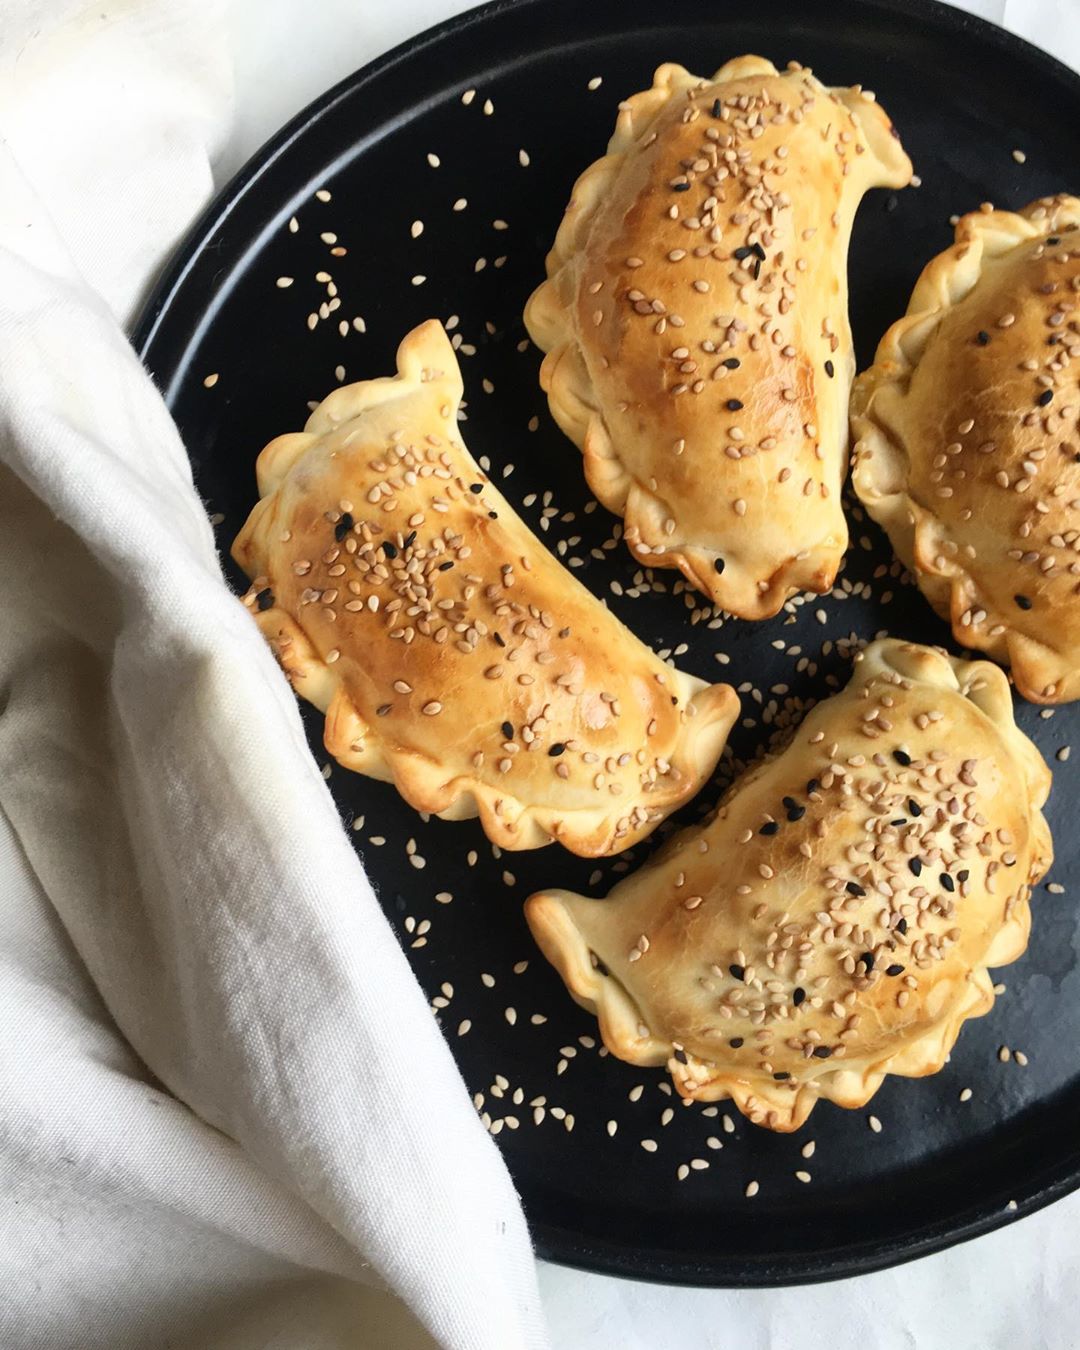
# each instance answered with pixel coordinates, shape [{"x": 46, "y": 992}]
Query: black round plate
[{"x": 964, "y": 96}]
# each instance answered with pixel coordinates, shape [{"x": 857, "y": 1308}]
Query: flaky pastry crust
[
  {"x": 836, "y": 919},
  {"x": 967, "y": 448},
  {"x": 696, "y": 328},
  {"x": 452, "y": 654}
]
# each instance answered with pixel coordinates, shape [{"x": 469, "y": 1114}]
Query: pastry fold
[
  {"x": 695, "y": 322},
  {"x": 967, "y": 449},
  {"x": 836, "y": 919},
  {"x": 452, "y": 654}
]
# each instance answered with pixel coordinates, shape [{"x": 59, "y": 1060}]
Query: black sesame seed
[
  {"x": 716, "y": 107},
  {"x": 493, "y": 515},
  {"x": 902, "y": 757},
  {"x": 798, "y": 996},
  {"x": 445, "y": 566},
  {"x": 344, "y": 525},
  {"x": 948, "y": 882},
  {"x": 830, "y": 369},
  {"x": 556, "y": 749},
  {"x": 1022, "y": 601},
  {"x": 742, "y": 252},
  {"x": 719, "y": 564},
  {"x": 901, "y": 925},
  {"x": 476, "y": 487},
  {"x": 812, "y": 786},
  {"x": 822, "y": 1051},
  {"x": 782, "y": 1076},
  {"x": 796, "y": 813},
  {"x": 788, "y": 802},
  {"x": 867, "y": 959},
  {"x": 680, "y": 187},
  {"x": 507, "y": 731},
  {"x": 680, "y": 1055},
  {"x": 963, "y": 876},
  {"x": 757, "y": 269},
  {"x": 736, "y": 1042},
  {"x": 732, "y": 362},
  {"x": 734, "y": 404},
  {"x": 756, "y": 248},
  {"x": 900, "y": 820},
  {"x": 914, "y": 807},
  {"x": 389, "y": 549},
  {"x": 383, "y": 709},
  {"x": 409, "y": 539},
  {"x": 737, "y": 972},
  {"x": 500, "y": 641},
  {"x": 770, "y": 827},
  {"x": 915, "y": 864},
  {"x": 894, "y": 969},
  {"x": 1053, "y": 240},
  {"x": 1045, "y": 397},
  {"x": 264, "y": 599},
  {"x": 982, "y": 337},
  {"x": 853, "y": 888}
]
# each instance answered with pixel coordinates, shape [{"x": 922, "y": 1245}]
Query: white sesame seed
[
  {"x": 210, "y": 381},
  {"x": 283, "y": 283},
  {"x": 468, "y": 96},
  {"x": 523, "y": 158},
  {"x": 874, "y": 1124},
  {"x": 416, "y": 229},
  {"x": 433, "y": 160},
  {"x": 751, "y": 1190},
  {"x": 595, "y": 82}
]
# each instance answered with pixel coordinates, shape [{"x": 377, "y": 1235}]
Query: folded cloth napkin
[{"x": 224, "y": 1103}]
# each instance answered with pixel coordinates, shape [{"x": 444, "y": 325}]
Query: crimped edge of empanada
[
  {"x": 763, "y": 1101},
  {"x": 565, "y": 379},
  {"x": 425, "y": 359},
  {"x": 1041, "y": 673}
]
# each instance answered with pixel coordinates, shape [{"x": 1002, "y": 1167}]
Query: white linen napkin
[{"x": 224, "y": 1103}]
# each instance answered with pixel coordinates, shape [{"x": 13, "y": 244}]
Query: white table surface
[{"x": 1017, "y": 1288}]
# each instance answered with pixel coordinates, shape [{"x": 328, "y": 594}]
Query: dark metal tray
[{"x": 964, "y": 96}]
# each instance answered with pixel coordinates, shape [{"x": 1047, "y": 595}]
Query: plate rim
[{"x": 552, "y": 1241}]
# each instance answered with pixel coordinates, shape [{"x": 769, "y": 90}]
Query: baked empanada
[
  {"x": 451, "y": 653},
  {"x": 968, "y": 450},
  {"x": 696, "y": 328},
  {"x": 835, "y": 920}
]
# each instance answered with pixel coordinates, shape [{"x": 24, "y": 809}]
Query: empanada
[
  {"x": 835, "y": 920},
  {"x": 451, "y": 653},
  {"x": 968, "y": 450},
  {"x": 696, "y": 328}
]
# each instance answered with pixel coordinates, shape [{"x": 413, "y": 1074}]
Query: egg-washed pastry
[
  {"x": 968, "y": 451},
  {"x": 451, "y": 653},
  {"x": 834, "y": 921},
  {"x": 696, "y": 328}
]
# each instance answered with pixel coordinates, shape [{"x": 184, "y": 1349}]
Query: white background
[{"x": 1016, "y": 1288}]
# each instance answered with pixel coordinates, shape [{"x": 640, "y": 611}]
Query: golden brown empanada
[
  {"x": 968, "y": 450},
  {"x": 696, "y": 328},
  {"x": 451, "y": 653},
  {"x": 835, "y": 920}
]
